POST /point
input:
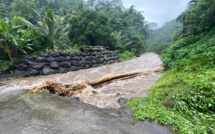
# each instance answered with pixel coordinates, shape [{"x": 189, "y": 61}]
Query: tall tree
[{"x": 90, "y": 28}]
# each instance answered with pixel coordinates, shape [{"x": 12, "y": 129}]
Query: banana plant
[
  {"x": 51, "y": 27},
  {"x": 9, "y": 39}
]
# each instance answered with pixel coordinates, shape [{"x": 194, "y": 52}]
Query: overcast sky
[{"x": 158, "y": 11}]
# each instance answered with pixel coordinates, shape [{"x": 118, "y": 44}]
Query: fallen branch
[{"x": 110, "y": 78}]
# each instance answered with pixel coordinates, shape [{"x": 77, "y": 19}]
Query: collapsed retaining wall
[{"x": 62, "y": 62}]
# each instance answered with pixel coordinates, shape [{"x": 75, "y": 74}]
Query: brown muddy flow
[
  {"x": 48, "y": 114},
  {"x": 106, "y": 96}
]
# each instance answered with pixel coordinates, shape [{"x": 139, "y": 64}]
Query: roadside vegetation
[{"x": 185, "y": 95}]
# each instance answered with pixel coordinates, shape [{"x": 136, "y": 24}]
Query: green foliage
[
  {"x": 90, "y": 28},
  {"x": 12, "y": 40},
  {"x": 199, "y": 49},
  {"x": 4, "y": 66},
  {"x": 126, "y": 55},
  {"x": 178, "y": 100},
  {"x": 198, "y": 18},
  {"x": 49, "y": 28}
]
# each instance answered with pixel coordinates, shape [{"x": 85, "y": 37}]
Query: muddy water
[
  {"x": 107, "y": 96},
  {"x": 48, "y": 114}
]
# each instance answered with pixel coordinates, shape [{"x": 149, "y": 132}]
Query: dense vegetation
[
  {"x": 29, "y": 27},
  {"x": 185, "y": 95}
]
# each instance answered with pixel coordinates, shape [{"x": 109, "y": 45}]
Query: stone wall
[{"x": 62, "y": 62}]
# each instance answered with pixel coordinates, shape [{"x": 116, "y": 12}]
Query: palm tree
[{"x": 51, "y": 27}]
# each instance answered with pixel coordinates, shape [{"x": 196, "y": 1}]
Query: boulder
[
  {"x": 72, "y": 53},
  {"x": 75, "y": 63},
  {"x": 40, "y": 59},
  {"x": 19, "y": 72},
  {"x": 63, "y": 53},
  {"x": 30, "y": 62},
  {"x": 75, "y": 58},
  {"x": 54, "y": 54},
  {"x": 33, "y": 72},
  {"x": 83, "y": 59},
  {"x": 66, "y": 64},
  {"x": 87, "y": 66},
  {"x": 38, "y": 66},
  {"x": 54, "y": 64},
  {"x": 122, "y": 101},
  {"x": 30, "y": 58},
  {"x": 22, "y": 66},
  {"x": 60, "y": 59},
  {"x": 50, "y": 59},
  {"x": 44, "y": 55},
  {"x": 48, "y": 71},
  {"x": 69, "y": 58},
  {"x": 73, "y": 68},
  {"x": 101, "y": 60},
  {"x": 63, "y": 70}
]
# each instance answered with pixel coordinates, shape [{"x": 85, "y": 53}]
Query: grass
[
  {"x": 165, "y": 104},
  {"x": 126, "y": 56}
]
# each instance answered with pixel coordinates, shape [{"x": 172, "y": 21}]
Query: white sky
[{"x": 158, "y": 11}]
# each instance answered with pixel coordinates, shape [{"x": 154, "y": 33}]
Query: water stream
[{"x": 49, "y": 114}]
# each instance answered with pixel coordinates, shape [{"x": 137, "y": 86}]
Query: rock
[
  {"x": 29, "y": 62},
  {"x": 40, "y": 59},
  {"x": 54, "y": 65},
  {"x": 68, "y": 58},
  {"x": 60, "y": 59},
  {"x": 66, "y": 64},
  {"x": 38, "y": 66},
  {"x": 72, "y": 53},
  {"x": 87, "y": 66},
  {"x": 48, "y": 71},
  {"x": 63, "y": 70},
  {"x": 73, "y": 68},
  {"x": 75, "y": 100},
  {"x": 63, "y": 53},
  {"x": 75, "y": 63},
  {"x": 33, "y": 72},
  {"x": 22, "y": 66},
  {"x": 93, "y": 57},
  {"x": 83, "y": 59},
  {"x": 30, "y": 58},
  {"x": 122, "y": 101},
  {"x": 19, "y": 72},
  {"x": 44, "y": 55},
  {"x": 54, "y": 54},
  {"x": 101, "y": 60},
  {"x": 75, "y": 58},
  {"x": 50, "y": 59},
  {"x": 95, "y": 65}
]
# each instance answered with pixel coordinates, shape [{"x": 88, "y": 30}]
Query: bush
[{"x": 126, "y": 56}]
